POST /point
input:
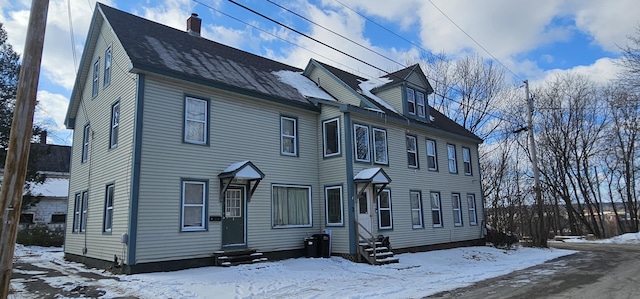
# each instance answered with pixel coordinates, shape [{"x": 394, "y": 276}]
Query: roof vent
[{"x": 193, "y": 24}]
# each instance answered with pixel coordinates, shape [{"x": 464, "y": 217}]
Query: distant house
[
  {"x": 50, "y": 204},
  {"x": 185, "y": 150}
]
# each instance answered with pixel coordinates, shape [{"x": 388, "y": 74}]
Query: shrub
[{"x": 41, "y": 235}]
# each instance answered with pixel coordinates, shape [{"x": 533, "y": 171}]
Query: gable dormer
[{"x": 407, "y": 91}]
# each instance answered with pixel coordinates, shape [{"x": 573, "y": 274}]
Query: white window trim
[
  {"x": 324, "y": 138},
  {"x": 438, "y": 208},
  {"x": 96, "y": 78},
  {"x": 84, "y": 215},
  {"x": 466, "y": 160},
  {"x": 108, "y": 210},
  {"x": 294, "y": 136},
  {"x": 77, "y": 207},
  {"x": 85, "y": 143},
  {"x": 108, "y": 61},
  {"x": 414, "y": 152},
  {"x": 411, "y": 100},
  {"x": 355, "y": 143},
  {"x": 420, "y": 104},
  {"x": 205, "y": 131},
  {"x": 115, "y": 124},
  {"x": 457, "y": 211},
  {"x": 451, "y": 157},
  {"x": 418, "y": 209},
  {"x": 326, "y": 201},
  {"x": 434, "y": 154},
  {"x": 310, "y": 206},
  {"x": 473, "y": 216},
  {"x": 380, "y": 209},
  {"x": 203, "y": 205},
  {"x": 375, "y": 148}
]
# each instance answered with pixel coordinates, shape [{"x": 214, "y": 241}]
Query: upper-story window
[
  {"x": 115, "y": 124},
  {"x": 432, "y": 158},
  {"x": 466, "y": 160},
  {"x": 331, "y": 137},
  {"x": 195, "y": 120},
  {"x": 361, "y": 142},
  {"x": 412, "y": 152},
  {"x": 380, "y": 155},
  {"x": 451, "y": 156},
  {"x": 416, "y": 103},
  {"x": 96, "y": 77},
  {"x": 85, "y": 143},
  {"x": 107, "y": 67},
  {"x": 288, "y": 136}
]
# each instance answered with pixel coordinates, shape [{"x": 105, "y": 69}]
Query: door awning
[
  {"x": 242, "y": 173},
  {"x": 375, "y": 177}
]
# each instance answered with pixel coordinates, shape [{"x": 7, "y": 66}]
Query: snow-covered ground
[{"x": 415, "y": 276}]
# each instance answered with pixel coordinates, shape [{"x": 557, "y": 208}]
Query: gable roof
[
  {"x": 438, "y": 120},
  {"x": 156, "y": 48},
  {"x": 46, "y": 157}
]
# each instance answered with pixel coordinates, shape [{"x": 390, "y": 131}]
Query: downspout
[
  {"x": 350, "y": 186},
  {"x": 135, "y": 174}
]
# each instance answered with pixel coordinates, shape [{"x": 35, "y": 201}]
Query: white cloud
[
  {"x": 601, "y": 71},
  {"x": 50, "y": 113}
]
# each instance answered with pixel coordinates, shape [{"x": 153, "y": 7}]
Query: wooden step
[
  {"x": 388, "y": 260},
  {"x": 382, "y": 254},
  {"x": 238, "y": 257},
  {"x": 370, "y": 249}
]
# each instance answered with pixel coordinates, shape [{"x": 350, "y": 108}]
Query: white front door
[{"x": 365, "y": 215}]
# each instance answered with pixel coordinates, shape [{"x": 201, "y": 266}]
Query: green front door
[{"x": 233, "y": 220}]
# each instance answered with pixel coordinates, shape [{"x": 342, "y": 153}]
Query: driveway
[{"x": 596, "y": 271}]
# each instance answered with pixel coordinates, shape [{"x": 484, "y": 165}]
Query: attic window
[{"x": 416, "y": 103}]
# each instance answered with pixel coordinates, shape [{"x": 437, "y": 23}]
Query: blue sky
[{"x": 534, "y": 39}]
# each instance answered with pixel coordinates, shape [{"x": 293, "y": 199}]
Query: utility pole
[
  {"x": 15, "y": 168},
  {"x": 541, "y": 238}
]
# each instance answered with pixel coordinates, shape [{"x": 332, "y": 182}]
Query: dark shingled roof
[
  {"x": 440, "y": 121},
  {"x": 46, "y": 157},
  {"x": 153, "y": 47}
]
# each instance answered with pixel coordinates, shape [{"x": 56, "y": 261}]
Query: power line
[
  {"x": 477, "y": 43},
  {"x": 357, "y": 59}
]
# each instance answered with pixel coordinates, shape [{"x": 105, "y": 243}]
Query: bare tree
[{"x": 630, "y": 62}]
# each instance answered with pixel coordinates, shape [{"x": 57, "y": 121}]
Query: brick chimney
[
  {"x": 193, "y": 24},
  {"x": 43, "y": 137}
]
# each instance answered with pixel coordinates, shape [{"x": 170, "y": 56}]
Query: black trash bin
[
  {"x": 323, "y": 244},
  {"x": 311, "y": 247}
]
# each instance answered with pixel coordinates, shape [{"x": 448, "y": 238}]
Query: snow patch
[
  {"x": 304, "y": 86},
  {"x": 367, "y": 86}
]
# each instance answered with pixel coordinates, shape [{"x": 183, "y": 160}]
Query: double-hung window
[
  {"x": 471, "y": 203},
  {"x": 466, "y": 160},
  {"x": 380, "y": 155},
  {"x": 195, "y": 120},
  {"x": 416, "y": 209},
  {"x": 108, "y": 209},
  {"x": 96, "y": 78},
  {"x": 77, "y": 210},
  {"x": 420, "y": 104},
  {"x": 451, "y": 156},
  {"x": 436, "y": 210},
  {"x": 331, "y": 137},
  {"x": 85, "y": 210},
  {"x": 412, "y": 151},
  {"x": 107, "y": 66},
  {"x": 457, "y": 209},
  {"x": 194, "y": 197},
  {"x": 85, "y": 143},
  {"x": 385, "y": 220},
  {"x": 411, "y": 101},
  {"x": 361, "y": 142},
  {"x": 432, "y": 160},
  {"x": 333, "y": 204},
  {"x": 291, "y": 206},
  {"x": 288, "y": 136},
  {"x": 115, "y": 124}
]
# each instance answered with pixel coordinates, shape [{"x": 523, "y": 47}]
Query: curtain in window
[{"x": 291, "y": 206}]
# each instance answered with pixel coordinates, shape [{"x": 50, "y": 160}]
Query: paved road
[{"x": 596, "y": 271}]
